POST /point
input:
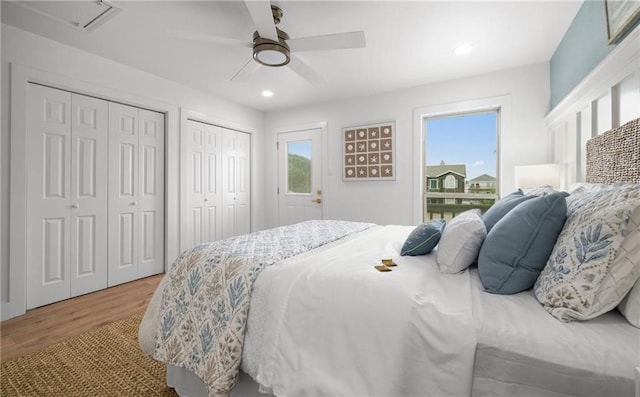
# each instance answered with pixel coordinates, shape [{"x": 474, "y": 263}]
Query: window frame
[{"x": 501, "y": 104}]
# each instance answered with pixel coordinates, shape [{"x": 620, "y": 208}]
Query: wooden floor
[{"x": 53, "y": 323}]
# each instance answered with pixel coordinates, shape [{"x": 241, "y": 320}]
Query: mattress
[{"x": 522, "y": 350}]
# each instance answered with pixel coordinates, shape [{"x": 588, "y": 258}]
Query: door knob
[{"x": 318, "y": 200}]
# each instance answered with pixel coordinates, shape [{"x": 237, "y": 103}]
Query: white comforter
[{"x": 330, "y": 324}]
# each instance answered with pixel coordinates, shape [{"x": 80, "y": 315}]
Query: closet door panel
[
  {"x": 203, "y": 182},
  {"x": 236, "y": 183},
  {"x": 123, "y": 193},
  {"x": 213, "y": 223},
  {"x": 48, "y": 195},
  {"x": 88, "y": 232},
  {"x": 229, "y": 199},
  {"x": 195, "y": 182},
  {"x": 243, "y": 183},
  {"x": 151, "y": 194},
  {"x": 212, "y": 187}
]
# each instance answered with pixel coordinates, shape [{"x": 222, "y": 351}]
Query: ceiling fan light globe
[{"x": 271, "y": 55}]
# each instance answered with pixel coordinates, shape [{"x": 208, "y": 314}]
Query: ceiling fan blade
[
  {"x": 305, "y": 71},
  {"x": 262, "y": 16},
  {"x": 335, "y": 41},
  {"x": 247, "y": 71},
  {"x": 183, "y": 34}
]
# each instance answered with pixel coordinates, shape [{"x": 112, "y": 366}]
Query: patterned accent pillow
[
  {"x": 587, "y": 187},
  {"x": 630, "y": 251},
  {"x": 461, "y": 241},
  {"x": 583, "y": 277},
  {"x": 543, "y": 190},
  {"x": 423, "y": 238}
]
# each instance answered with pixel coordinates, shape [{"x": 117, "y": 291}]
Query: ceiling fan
[{"x": 274, "y": 48}]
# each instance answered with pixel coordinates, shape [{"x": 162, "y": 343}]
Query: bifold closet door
[
  {"x": 66, "y": 195},
  {"x": 236, "y": 182},
  {"x": 136, "y": 193},
  {"x": 89, "y": 211},
  {"x": 203, "y": 182}
]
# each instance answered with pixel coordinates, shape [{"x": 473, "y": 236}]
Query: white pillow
[
  {"x": 589, "y": 271},
  {"x": 460, "y": 242}
]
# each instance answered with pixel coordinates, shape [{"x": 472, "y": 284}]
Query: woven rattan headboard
[{"x": 615, "y": 155}]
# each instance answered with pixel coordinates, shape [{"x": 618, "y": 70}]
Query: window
[
  {"x": 299, "y": 167},
  {"x": 450, "y": 182},
  {"x": 433, "y": 184},
  {"x": 462, "y": 146}
]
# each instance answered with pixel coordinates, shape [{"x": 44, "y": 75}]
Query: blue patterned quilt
[{"x": 205, "y": 303}]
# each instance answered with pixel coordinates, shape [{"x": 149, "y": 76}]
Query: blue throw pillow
[
  {"x": 423, "y": 238},
  {"x": 518, "y": 247},
  {"x": 502, "y": 207}
]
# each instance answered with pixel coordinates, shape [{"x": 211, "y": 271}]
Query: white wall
[
  {"x": 388, "y": 202},
  {"x": 608, "y": 97},
  {"x": 73, "y": 69},
  {"x": 392, "y": 202}
]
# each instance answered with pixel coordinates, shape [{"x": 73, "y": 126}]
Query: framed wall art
[
  {"x": 621, "y": 16},
  {"x": 369, "y": 152}
]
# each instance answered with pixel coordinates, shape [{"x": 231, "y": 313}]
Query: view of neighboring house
[
  {"x": 448, "y": 192},
  {"x": 482, "y": 184},
  {"x": 446, "y": 178}
]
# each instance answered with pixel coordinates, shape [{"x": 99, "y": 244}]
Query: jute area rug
[{"x": 103, "y": 362}]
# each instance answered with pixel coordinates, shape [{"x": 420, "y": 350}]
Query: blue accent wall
[{"x": 582, "y": 48}]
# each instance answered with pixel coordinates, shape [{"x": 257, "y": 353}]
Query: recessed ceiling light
[
  {"x": 463, "y": 49},
  {"x": 267, "y": 93}
]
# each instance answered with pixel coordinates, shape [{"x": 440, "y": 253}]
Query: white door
[
  {"x": 151, "y": 193},
  {"x": 243, "y": 183},
  {"x": 203, "y": 183},
  {"x": 89, "y": 145},
  {"x": 299, "y": 176},
  {"x": 48, "y": 195},
  {"x": 236, "y": 183},
  {"x": 123, "y": 193},
  {"x": 136, "y": 193},
  {"x": 66, "y": 195}
]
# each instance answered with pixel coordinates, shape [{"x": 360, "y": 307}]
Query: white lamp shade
[{"x": 531, "y": 176}]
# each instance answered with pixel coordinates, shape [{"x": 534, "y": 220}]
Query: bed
[{"x": 317, "y": 318}]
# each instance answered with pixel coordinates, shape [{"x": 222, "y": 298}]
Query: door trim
[{"x": 22, "y": 75}]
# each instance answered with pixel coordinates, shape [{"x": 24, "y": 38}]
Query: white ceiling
[{"x": 408, "y": 43}]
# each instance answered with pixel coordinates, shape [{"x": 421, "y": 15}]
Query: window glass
[
  {"x": 464, "y": 148},
  {"x": 299, "y": 167},
  {"x": 450, "y": 182}
]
